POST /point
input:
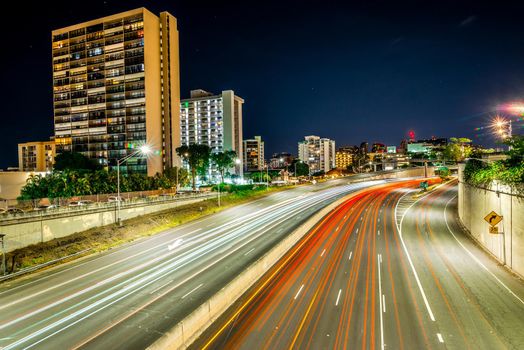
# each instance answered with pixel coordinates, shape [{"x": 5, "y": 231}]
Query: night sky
[{"x": 348, "y": 72}]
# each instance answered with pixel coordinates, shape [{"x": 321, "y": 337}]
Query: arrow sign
[{"x": 493, "y": 218}]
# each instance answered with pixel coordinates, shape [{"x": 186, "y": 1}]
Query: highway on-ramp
[
  {"x": 128, "y": 297},
  {"x": 382, "y": 271}
]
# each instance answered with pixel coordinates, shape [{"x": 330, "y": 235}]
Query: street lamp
[
  {"x": 2, "y": 235},
  {"x": 267, "y": 176},
  {"x": 143, "y": 150}
]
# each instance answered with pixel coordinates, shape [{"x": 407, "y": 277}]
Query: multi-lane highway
[
  {"x": 128, "y": 297},
  {"x": 382, "y": 271}
]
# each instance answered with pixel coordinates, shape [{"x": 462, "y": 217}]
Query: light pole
[
  {"x": 2, "y": 235},
  {"x": 144, "y": 150},
  {"x": 267, "y": 176}
]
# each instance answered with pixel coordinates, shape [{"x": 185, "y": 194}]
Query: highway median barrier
[{"x": 191, "y": 327}]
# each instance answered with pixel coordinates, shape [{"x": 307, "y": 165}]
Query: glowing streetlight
[{"x": 143, "y": 150}]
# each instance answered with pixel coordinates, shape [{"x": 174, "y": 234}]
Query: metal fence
[{"x": 128, "y": 200}]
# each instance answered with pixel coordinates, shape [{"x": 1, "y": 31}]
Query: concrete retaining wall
[
  {"x": 190, "y": 328},
  {"x": 23, "y": 232},
  {"x": 475, "y": 203}
]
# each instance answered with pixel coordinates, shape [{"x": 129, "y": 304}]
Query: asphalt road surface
[
  {"x": 383, "y": 271},
  {"x": 128, "y": 297}
]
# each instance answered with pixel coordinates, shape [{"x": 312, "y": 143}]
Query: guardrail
[
  {"x": 41, "y": 266},
  {"x": 96, "y": 206}
]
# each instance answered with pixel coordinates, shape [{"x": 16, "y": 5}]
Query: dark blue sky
[{"x": 350, "y": 72}]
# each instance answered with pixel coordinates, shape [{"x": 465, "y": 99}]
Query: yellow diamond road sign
[{"x": 493, "y": 218}]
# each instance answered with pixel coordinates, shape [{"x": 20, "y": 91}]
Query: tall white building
[
  {"x": 254, "y": 154},
  {"x": 213, "y": 120},
  {"x": 318, "y": 153}
]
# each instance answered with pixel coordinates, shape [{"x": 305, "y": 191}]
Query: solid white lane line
[
  {"x": 338, "y": 297},
  {"x": 137, "y": 285},
  {"x": 323, "y": 253},
  {"x": 440, "y": 339},
  {"x": 426, "y": 302},
  {"x": 192, "y": 290},
  {"x": 298, "y": 293},
  {"x": 249, "y": 251},
  {"x": 350, "y": 254},
  {"x": 378, "y": 232},
  {"x": 475, "y": 258},
  {"x": 380, "y": 300},
  {"x": 212, "y": 224},
  {"x": 384, "y": 302},
  {"x": 162, "y": 286}
]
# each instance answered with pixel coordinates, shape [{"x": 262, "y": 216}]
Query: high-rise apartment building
[
  {"x": 254, "y": 154},
  {"x": 36, "y": 156},
  {"x": 318, "y": 153},
  {"x": 213, "y": 120},
  {"x": 116, "y": 86}
]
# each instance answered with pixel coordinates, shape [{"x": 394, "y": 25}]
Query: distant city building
[
  {"x": 403, "y": 146},
  {"x": 318, "y": 153},
  {"x": 392, "y": 161},
  {"x": 116, "y": 86},
  {"x": 426, "y": 146},
  {"x": 254, "y": 154},
  {"x": 378, "y": 148},
  {"x": 213, "y": 120},
  {"x": 344, "y": 157},
  {"x": 36, "y": 156},
  {"x": 364, "y": 148},
  {"x": 281, "y": 160},
  {"x": 391, "y": 149}
]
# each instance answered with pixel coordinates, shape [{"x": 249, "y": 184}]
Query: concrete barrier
[
  {"x": 26, "y": 231},
  {"x": 191, "y": 327},
  {"x": 475, "y": 203}
]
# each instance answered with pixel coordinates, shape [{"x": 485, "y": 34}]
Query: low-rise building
[
  {"x": 36, "y": 156},
  {"x": 344, "y": 157},
  {"x": 281, "y": 160}
]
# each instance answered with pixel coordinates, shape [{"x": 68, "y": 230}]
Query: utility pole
[{"x": 2, "y": 235}]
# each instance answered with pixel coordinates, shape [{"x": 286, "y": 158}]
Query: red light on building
[{"x": 411, "y": 135}]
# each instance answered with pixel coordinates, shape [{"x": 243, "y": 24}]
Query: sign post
[{"x": 493, "y": 219}]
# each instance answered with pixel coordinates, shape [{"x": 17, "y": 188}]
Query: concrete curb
[{"x": 190, "y": 328}]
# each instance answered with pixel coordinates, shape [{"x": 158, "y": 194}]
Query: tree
[
  {"x": 458, "y": 149},
  {"x": 224, "y": 161},
  {"x": 182, "y": 178},
  {"x": 196, "y": 156},
  {"x": 302, "y": 168},
  {"x": 75, "y": 161},
  {"x": 259, "y": 176},
  {"x": 516, "y": 150}
]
